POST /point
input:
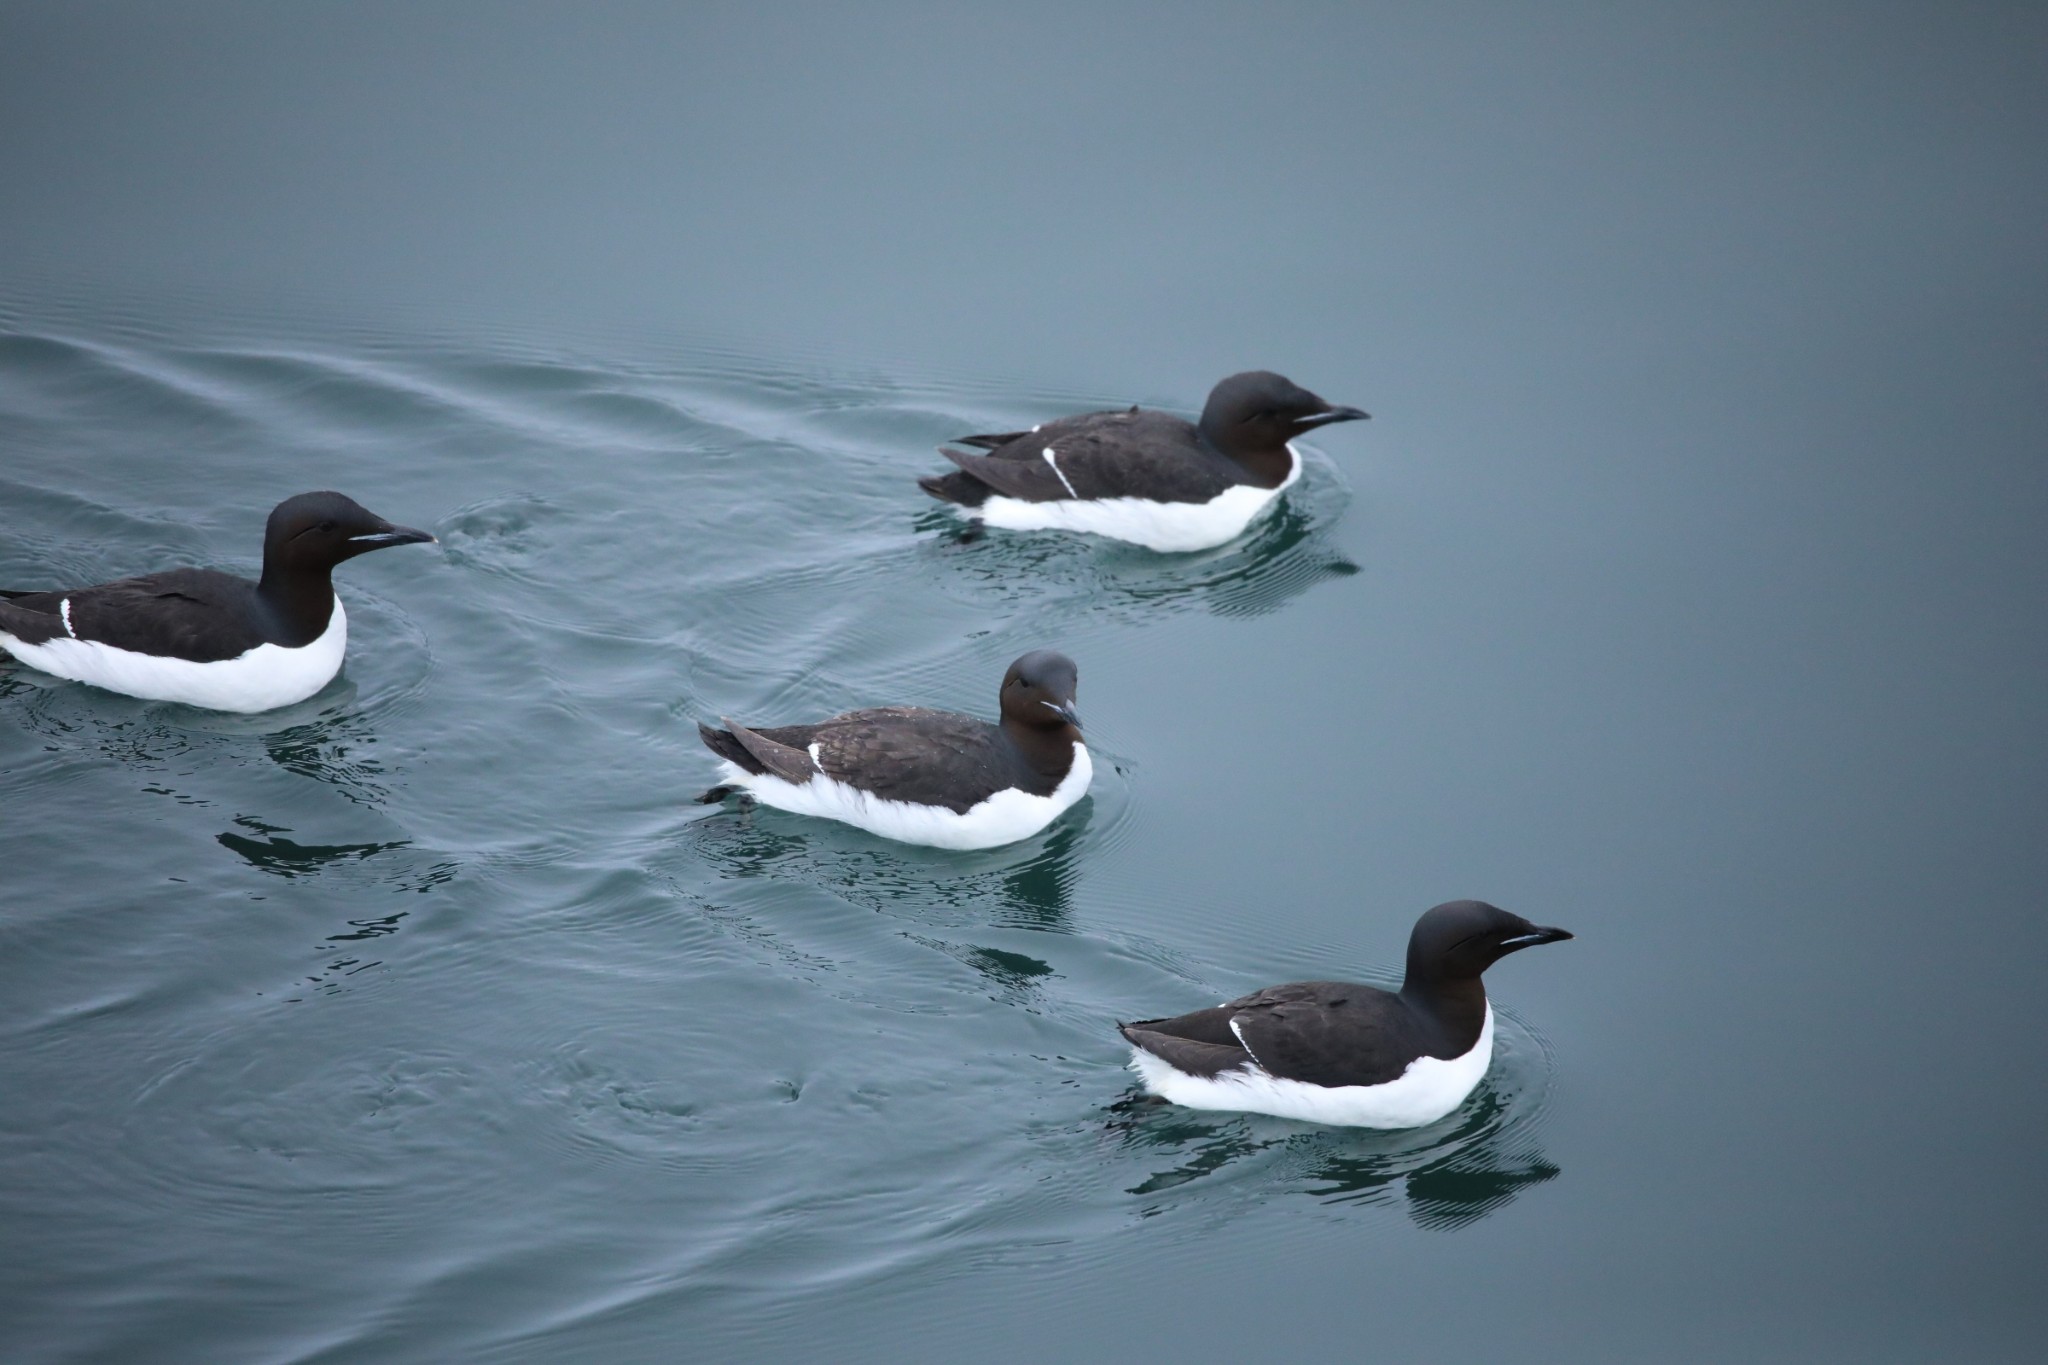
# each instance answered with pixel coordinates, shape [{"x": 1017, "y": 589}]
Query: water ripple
[{"x": 448, "y": 946}]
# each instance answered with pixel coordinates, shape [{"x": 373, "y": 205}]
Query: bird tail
[
  {"x": 727, "y": 745},
  {"x": 20, "y": 617},
  {"x": 957, "y": 486},
  {"x": 758, "y": 754}
]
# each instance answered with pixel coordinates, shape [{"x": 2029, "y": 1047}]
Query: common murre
[
  {"x": 1146, "y": 477},
  {"x": 207, "y": 638},
  {"x": 923, "y": 776},
  {"x": 1341, "y": 1053}
]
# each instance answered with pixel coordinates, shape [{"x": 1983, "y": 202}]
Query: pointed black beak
[
  {"x": 392, "y": 535},
  {"x": 1323, "y": 419},
  {"x": 1536, "y": 936},
  {"x": 1065, "y": 711}
]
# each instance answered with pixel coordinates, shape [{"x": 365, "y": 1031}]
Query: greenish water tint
[
  {"x": 1684, "y": 591},
  {"x": 443, "y": 960}
]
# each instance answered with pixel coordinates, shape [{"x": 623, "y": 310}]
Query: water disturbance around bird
[{"x": 443, "y": 957}]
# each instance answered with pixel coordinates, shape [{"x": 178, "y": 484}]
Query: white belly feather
[
  {"x": 259, "y": 679},
  {"x": 1003, "y": 818},
  {"x": 1169, "y": 527},
  {"x": 1430, "y": 1088}
]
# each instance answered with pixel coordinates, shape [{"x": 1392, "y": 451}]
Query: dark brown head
[
  {"x": 313, "y": 532},
  {"x": 1259, "y": 412},
  {"x": 1459, "y": 940},
  {"x": 1038, "y": 691}
]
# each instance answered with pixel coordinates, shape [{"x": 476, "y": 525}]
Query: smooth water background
[{"x": 1686, "y": 590}]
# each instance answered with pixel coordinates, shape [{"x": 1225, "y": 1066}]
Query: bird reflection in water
[
  {"x": 391, "y": 867},
  {"x": 1032, "y": 895},
  {"x": 288, "y": 858},
  {"x": 1026, "y": 885},
  {"x": 1284, "y": 556},
  {"x": 1452, "y": 1176},
  {"x": 1036, "y": 893},
  {"x": 1487, "y": 1165},
  {"x": 337, "y": 750},
  {"x": 1280, "y": 558},
  {"x": 265, "y": 848},
  {"x": 1014, "y": 975}
]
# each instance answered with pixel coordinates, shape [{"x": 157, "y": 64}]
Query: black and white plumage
[
  {"x": 922, "y": 776},
  {"x": 1146, "y": 477},
  {"x": 1342, "y": 1053},
  {"x": 208, "y": 638}
]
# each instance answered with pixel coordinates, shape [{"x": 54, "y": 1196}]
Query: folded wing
[
  {"x": 198, "y": 614},
  {"x": 910, "y": 753},
  {"x": 1099, "y": 455}
]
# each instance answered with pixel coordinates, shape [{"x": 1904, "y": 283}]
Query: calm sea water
[{"x": 1685, "y": 591}]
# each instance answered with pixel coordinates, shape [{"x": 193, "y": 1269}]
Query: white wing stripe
[
  {"x": 1237, "y": 1027},
  {"x": 1062, "y": 475}
]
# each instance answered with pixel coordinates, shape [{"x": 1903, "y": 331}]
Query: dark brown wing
[
  {"x": 1320, "y": 1032},
  {"x": 199, "y": 614},
  {"x": 1152, "y": 455},
  {"x": 787, "y": 761},
  {"x": 901, "y": 753},
  {"x": 930, "y": 758},
  {"x": 1328, "y": 1032},
  {"x": 1202, "y": 1026},
  {"x": 990, "y": 442},
  {"x": 31, "y": 617},
  {"x": 1194, "y": 1057},
  {"x": 1028, "y": 480}
]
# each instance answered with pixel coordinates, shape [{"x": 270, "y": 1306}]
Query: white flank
[
  {"x": 1169, "y": 527},
  {"x": 1003, "y": 818},
  {"x": 64, "y": 610},
  {"x": 260, "y": 679},
  {"x": 1430, "y": 1088}
]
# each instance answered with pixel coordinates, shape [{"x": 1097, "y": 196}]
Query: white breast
[
  {"x": 1003, "y": 818},
  {"x": 259, "y": 679},
  {"x": 1169, "y": 527},
  {"x": 1430, "y": 1088}
]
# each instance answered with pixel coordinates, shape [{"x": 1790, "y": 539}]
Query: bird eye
[{"x": 326, "y": 526}]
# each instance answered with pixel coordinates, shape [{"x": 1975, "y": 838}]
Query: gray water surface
[{"x": 1685, "y": 590}]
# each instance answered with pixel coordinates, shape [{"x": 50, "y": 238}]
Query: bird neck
[
  {"x": 1455, "y": 1005},
  {"x": 1264, "y": 467},
  {"x": 1049, "y": 749},
  {"x": 300, "y": 601}
]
